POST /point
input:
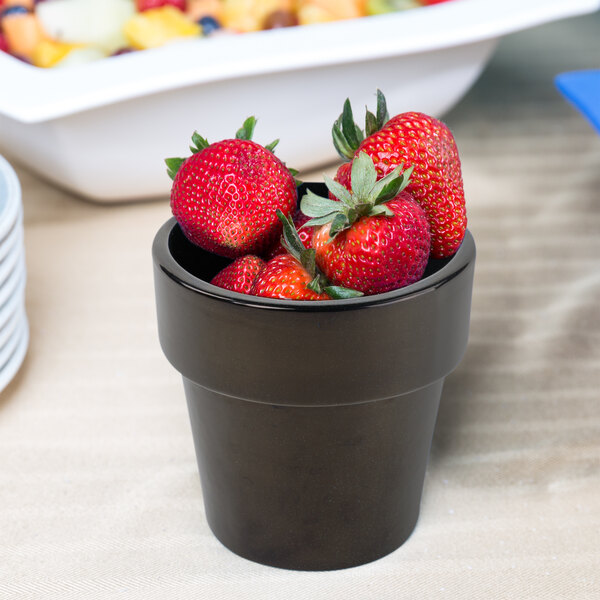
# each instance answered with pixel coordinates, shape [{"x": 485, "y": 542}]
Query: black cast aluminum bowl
[{"x": 312, "y": 420}]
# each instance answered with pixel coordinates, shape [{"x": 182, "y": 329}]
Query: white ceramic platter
[{"x": 103, "y": 129}]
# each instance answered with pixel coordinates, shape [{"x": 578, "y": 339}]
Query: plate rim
[
  {"x": 9, "y": 262},
  {"x": 10, "y": 212},
  {"x": 15, "y": 294},
  {"x": 45, "y": 94},
  {"x": 13, "y": 239},
  {"x": 9, "y": 326},
  {"x": 14, "y": 362},
  {"x": 11, "y": 344}
]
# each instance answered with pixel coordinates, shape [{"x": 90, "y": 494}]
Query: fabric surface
[{"x": 99, "y": 492}]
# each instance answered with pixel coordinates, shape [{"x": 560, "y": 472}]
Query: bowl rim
[
  {"x": 9, "y": 210},
  {"x": 45, "y": 94},
  {"x": 170, "y": 267}
]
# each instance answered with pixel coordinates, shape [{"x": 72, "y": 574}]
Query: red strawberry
[
  {"x": 3, "y": 43},
  {"x": 285, "y": 277},
  {"x": 226, "y": 194},
  {"x": 304, "y": 233},
  {"x": 143, "y": 5},
  {"x": 415, "y": 140},
  {"x": 240, "y": 275},
  {"x": 342, "y": 176},
  {"x": 374, "y": 240},
  {"x": 294, "y": 275}
]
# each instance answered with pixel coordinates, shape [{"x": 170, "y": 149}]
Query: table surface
[{"x": 99, "y": 491}]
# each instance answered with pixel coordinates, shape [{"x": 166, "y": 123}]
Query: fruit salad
[
  {"x": 396, "y": 201},
  {"x": 59, "y": 33}
]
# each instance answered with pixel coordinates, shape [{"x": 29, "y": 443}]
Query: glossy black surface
[
  {"x": 312, "y": 488},
  {"x": 312, "y": 421}
]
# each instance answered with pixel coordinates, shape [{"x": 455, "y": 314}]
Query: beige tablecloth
[{"x": 99, "y": 492}]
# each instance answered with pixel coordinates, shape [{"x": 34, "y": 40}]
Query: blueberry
[
  {"x": 14, "y": 10},
  {"x": 209, "y": 25}
]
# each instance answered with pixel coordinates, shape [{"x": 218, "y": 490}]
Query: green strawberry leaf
[
  {"x": 316, "y": 206},
  {"x": 318, "y": 221},
  {"x": 173, "y": 165},
  {"x": 339, "y": 223},
  {"x": 350, "y": 129},
  {"x": 389, "y": 186},
  {"x": 271, "y": 147},
  {"x": 371, "y": 125},
  {"x": 382, "y": 112},
  {"x": 247, "y": 129},
  {"x": 290, "y": 239},
  {"x": 338, "y": 190},
  {"x": 363, "y": 175},
  {"x": 337, "y": 292},
  {"x": 307, "y": 258},
  {"x": 382, "y": 209},
  {"x": 315, "y": 285},
  {"x": 392, "y": 184},
  {"x": 343, "y": 148},
  {"x": 199, "y": 143}
]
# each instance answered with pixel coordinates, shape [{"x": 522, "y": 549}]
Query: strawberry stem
[
  {"x": 173, "y": 165},
  {"x": 246, "y": 131},
  {"x": 199, "y": 143},
  {"x": 271, "y": 147},
  {"x": 367, "y": 198},
  {"x": 347, "y": 135},
  {"x": 319, "y": 284}
]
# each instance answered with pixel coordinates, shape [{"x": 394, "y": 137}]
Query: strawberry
[
  {"x": 415, "y": 140},
  {"x": 342, "y": 176},
  {"x": 294, "y": 275},
  {"x": 304, "y": 233},
  {"x": 376, "y": 238},
  {"x": 239, "y": 276},
  {"x": 3, "y": 43},
  {"x": 284, "y": 277},
  {"x": 226, "y": 194},
  {"x": 143, "y": 5}
]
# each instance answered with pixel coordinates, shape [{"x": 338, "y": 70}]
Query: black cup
[{"x": 312, "y": 421}]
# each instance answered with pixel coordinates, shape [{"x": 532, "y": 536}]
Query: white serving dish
[{"x": 103, "y": 129}]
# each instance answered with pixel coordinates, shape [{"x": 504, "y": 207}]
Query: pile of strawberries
[{"x": 396, "y": 201}]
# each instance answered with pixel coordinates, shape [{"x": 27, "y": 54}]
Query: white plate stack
[{"x": 14, "y": 328}]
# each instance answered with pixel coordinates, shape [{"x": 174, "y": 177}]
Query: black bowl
[{"x": 312, "y": 420}]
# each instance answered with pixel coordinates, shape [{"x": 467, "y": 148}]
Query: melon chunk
[{"x": 89, "y": 22}]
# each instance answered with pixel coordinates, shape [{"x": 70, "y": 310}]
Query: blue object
[
  {"x": 582, "y": 89},
  {"x": 209, "y": 25},
  {"x": 14, "y": 10}
]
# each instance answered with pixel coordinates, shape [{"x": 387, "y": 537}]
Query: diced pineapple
[
  {"x": 158, "y": 26},
  {"x": 250, "y": 15},
  {"x": 80, "y": 56},
  {"x": 322, "y": 11},
  {"x": 90, "y": 22},
  {"x": 49, "y": 52}
]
